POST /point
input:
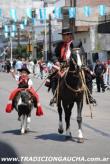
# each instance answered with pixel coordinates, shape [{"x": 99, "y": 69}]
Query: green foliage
[
  {"x": 21, "y": 51},
  {"x": 39, "y": 55}
]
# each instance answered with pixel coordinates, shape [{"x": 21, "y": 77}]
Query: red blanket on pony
[{"x": 14, "y": 93}]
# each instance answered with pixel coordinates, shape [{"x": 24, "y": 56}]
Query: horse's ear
[
  {"x": 70, "y": 59},
  {"x": 73, "y": 56},
  {"x": 76, "y": 44}
]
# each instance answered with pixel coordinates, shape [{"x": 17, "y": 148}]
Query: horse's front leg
[
  {"x": 28, "y": 123},
  {"x": 60, "y": 129},
  {"x": 23, "y": 123},
  {"x": 79, "y": 121},
  {"x": 68, "y": 110}
]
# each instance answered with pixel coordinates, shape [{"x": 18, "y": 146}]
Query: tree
[{"x": 21, "y": 51}]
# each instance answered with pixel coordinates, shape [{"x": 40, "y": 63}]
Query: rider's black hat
[
  {"x": 66, "y": 31},
  {"x": 24, "y": 69}
]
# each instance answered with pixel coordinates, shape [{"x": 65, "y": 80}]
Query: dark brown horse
[{"x": 71, "y": 91}]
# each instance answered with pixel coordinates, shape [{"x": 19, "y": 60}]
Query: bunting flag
[
  {"x": 25, "y": 22},
  {"x": 6, "y": 29},
  {"x": 22, "y": 26},
  {"x": 29, "y": 13},
  {"x": 87, "y": 11},
  {"x": 14, "y": 28},
  {"x": 102, "y": 10},
  {"x": 43, "y": 14},
  {"x": 6, "y": 35},
  {"x": 13, "y": 14},
  {"x": 72, "y": 12},
  {"x": 57, "y": 13},
  {"x": 33, "y": 21},
  {"x": 12, "y": 34}
]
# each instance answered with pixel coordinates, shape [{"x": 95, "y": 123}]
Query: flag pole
[{"x": 11, "y": 58}]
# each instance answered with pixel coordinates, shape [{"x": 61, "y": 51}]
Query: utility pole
[
  {"x": 11, "y": 58},
  {"x": 45, "y": 38},
  {"x": 18, "y": 33},
  {"x": 72, "y": 21},
  {"x": 33, "y": 35},
  {"x": 50, "y": 38}
]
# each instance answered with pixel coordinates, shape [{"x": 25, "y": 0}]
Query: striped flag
[
  {"x": 14, "y": 28},
  {"x": 22, "y": 26},
  {"x": 25, "y": 22},
  {"x": 87, "y": 11},
  {"x": 72, "y": 12},
  {"x": 12, "y": 34},
  {"x": 6, "y": 35},
  {"x": 29, "y": 13},
  {"x": 43, "y": 14},
  {"x": 102, "y": 10},
  {"x": 33, "y": 21},
  {"x": 57, "y": 13},
  {"x": 6, "y": 29},
  {"x": 13, "y": 14}
]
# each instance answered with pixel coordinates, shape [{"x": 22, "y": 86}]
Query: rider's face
[
  {"x": 67, "y": 37},
  {"x": 24, "y": 73}
]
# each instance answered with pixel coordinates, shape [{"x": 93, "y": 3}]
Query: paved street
[{"x": 44, "y": 140}]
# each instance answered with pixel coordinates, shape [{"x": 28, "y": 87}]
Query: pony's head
[{"x": 25, "y": 97}]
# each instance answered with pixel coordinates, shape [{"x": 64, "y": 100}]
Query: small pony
[{"x": 23, "y": 104}]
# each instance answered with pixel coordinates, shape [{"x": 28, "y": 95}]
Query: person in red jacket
[{"x": 24, "y": 82}]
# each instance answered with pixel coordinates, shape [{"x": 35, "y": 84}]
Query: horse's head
[
  {"x": 75, "y": 59},
  {"x": 24, "y": 98}
]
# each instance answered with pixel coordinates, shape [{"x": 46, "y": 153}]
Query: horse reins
[
  {"x": 69, "y": 87},
  {"x": 41, "y": 84},
  {"x": 83, "y": 88},
  {"x": 86, "y": 90}
]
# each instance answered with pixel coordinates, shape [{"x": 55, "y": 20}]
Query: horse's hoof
[
  {"x": 80, "y": 140},
  {"x": 60, "y": 131},
  {"x": 27, "y": 130},
  {"x": 22, "y": 132}
]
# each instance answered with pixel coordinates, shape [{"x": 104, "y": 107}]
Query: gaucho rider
[
  {"x": 24, "y": 82},
  {"x": 63, "y": 53}
]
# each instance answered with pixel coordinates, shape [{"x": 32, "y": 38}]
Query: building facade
[{"x": 96, "y": 44}]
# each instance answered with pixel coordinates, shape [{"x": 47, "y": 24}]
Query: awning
[{"x": 104, "y": 28}]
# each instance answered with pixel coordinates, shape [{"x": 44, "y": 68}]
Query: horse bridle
[
  {"x": 67, "y": 85},
  {"x": 27, "y": 93}
]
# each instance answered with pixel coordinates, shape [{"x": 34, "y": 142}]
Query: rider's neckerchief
[
  {"x": 65, "y": 51},
  {"x": 23, "y": 81}
]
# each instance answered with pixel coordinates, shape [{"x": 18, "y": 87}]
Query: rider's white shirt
[{"x": 68, "y": 51}]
